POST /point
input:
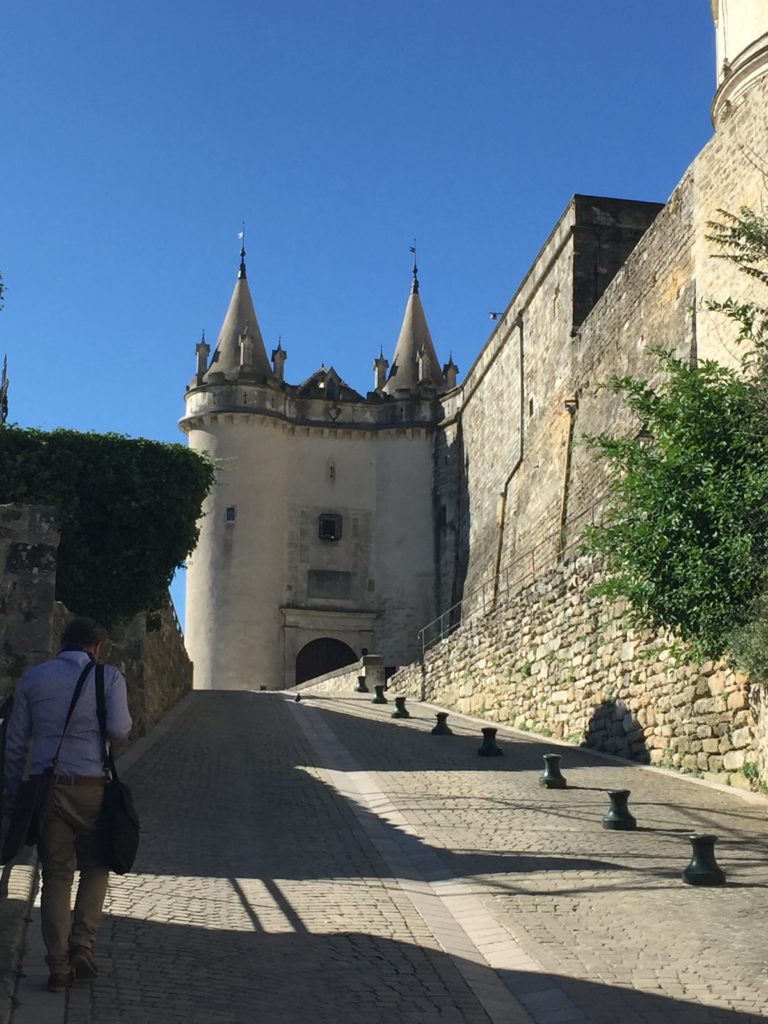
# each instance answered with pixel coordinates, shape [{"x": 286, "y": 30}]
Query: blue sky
[{"x": 136, "y": 137}]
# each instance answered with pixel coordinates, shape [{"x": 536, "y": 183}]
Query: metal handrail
[{"x": 453, "y": 617}]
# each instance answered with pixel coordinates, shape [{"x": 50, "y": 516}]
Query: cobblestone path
[{"x": 320, "y": 862}]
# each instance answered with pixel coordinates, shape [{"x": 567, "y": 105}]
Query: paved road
[{"x": 321, "y": 863}]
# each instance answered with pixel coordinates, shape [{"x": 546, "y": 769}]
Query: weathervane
[
  {"x": 241, "y": 236},
  {"x": 415, "y": 269}
]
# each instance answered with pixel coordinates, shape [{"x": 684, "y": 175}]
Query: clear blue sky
[{"x": 136, "y": 137}]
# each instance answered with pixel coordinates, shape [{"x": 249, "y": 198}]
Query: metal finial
[
  {"x": 4, "y": 392},
  {"x": 241, "y": 236},
  {"x": 415, "y": 288}
]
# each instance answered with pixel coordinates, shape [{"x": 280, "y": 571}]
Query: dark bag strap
[
  {"x": 75, "y": 697},
  {"x": 101, "y": 714}
]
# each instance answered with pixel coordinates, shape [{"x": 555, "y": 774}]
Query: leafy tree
[
  {"x": 684, "y": 534},
  {"x": 129, "y": 511}
]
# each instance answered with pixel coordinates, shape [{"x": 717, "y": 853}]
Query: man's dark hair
[{"x": 83, "y": 633}]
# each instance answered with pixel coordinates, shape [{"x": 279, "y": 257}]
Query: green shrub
[{"x": 129, "y": 511}]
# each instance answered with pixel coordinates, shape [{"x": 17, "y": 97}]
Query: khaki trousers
[{"x": 70, "y": 836}]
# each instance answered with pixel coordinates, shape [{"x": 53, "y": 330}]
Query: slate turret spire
[
  {"x": 414, "y": 364},
  {"x": 240, "y": 325}
]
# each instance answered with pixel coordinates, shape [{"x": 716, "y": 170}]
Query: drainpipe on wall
[
  {"x": 457, "y": 514},
  {"x": 518, "y": 463},
  {"x": 571, "y": 405}
]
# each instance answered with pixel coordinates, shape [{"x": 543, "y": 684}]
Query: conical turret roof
[
  {"x": 239, "y": 321},
  {"x": 414, "y": 347}
]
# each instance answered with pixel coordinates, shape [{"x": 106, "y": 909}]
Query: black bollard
[
  {"x": 490, "y": 747},
  {"x": 361, "y": 687},
  {"x": 400, "y": 709},
  {"x": 703, "y": 869},
  {"x": 297, "y": 698},
  {"x": 618, "y": 818},
  {"x": 379, "y": 698},
  {"x": 551, "y": 777},
  {"x": 441, "y": 729}
]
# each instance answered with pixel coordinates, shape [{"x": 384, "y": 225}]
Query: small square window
[
  {"x": 231, "y": 514},
  {"x": 329, "y": 526}
]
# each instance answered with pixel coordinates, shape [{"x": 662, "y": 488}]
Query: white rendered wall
[
  {"x": 249, "y": 610},
  {"x": 739, "y": 23},
  {"x": 236, "y": 576}
]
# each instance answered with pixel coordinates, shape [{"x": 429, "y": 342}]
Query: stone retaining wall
[
  {"x": 29, "y": 537},
  {"x": 557, "y": 661},
  {"x": 343, "y": 680}
]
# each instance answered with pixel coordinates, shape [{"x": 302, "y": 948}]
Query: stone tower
[
  {"x": 742, "y": 50},
  {"x": 318, "y": 537}
]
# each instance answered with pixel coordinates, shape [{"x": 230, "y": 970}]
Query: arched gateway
[{"x": 321, "y": 656}]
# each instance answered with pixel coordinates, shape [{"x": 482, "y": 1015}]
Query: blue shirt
[{"x": 40, "y": 706}]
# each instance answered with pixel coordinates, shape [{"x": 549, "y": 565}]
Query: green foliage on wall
[
  {"x": 685, "y": 531},
  {"x": 129, "y": 511}
]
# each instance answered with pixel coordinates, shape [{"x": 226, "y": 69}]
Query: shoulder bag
[{"x": 119, "y": 818}]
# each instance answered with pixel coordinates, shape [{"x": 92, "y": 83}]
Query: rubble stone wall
[
  {"x": 28, "y": 543},
  {"x": 557, "y": 661}
]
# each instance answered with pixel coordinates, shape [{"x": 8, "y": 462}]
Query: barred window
[{"x": 329, "y": 526}]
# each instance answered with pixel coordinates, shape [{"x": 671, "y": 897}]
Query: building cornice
[{"x": 750, "y": 65}]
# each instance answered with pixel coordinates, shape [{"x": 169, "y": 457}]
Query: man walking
[{"x": 70, "y": 830}]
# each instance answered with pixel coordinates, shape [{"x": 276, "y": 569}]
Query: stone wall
[
  {"x": 556, "y": 661},
  {"x": 518, "y": 484},
  {"x": 344, "y": 680},
  {"x": 28, "y": 543},
  {"x": 520, "y": 469},
  {"x": 341, "y": 681}
]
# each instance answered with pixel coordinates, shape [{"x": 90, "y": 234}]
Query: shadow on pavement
[
  {"x": 232, "y": 800},
  {"x": 246, "y": 973}
]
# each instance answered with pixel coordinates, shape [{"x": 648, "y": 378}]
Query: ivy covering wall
[{"x": 129, "y": 511}]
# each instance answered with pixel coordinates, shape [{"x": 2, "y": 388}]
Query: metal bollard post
[
  {"x": 490, "y": 747},
  {"x": 618, "y": 818},
  {"x": 361, "y": 687},
  {"x": 379, "y": 698},
  {"x": 442, "y": 729},
  {"x": 551, "y": 777},
  {"x": 703, "y": 869},
  {"x": 400, "y": 709}
]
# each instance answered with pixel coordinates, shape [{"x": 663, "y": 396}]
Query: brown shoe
[
  {"x": 83, "y": 963},
  {"x": 59, "y": 982}
]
